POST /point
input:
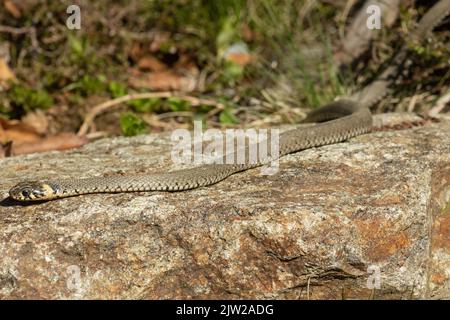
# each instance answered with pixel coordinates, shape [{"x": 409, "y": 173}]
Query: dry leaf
[
  {"x": 13, "y": 130},
  {"x": 62, "y": 141},
  {"x": 150, "y": 63},
  {"x": 5, "y": 72},
  {"x": 12, "y": 8},
  {"x": 164, "y": 81},
  {"x": 239, "y": 54},
  {"x": 182, "y": 77},
  {"x": 36, "y": 120},
  {"x": 240, "y": 58},
  {"x": 25, "y": 138}
]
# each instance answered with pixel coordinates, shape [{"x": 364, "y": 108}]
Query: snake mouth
[{"x": 31, "y": 191}]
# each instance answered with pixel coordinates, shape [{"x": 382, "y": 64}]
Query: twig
[
  {"x": 412, "y": 102},
  {"x": 13, "y": 30},
  {"x": 344, "y": 16},
  {"x": 102, "y": 107},
  {"x": 175, "y": 114},
  {"x": 440, "y": 105},
  {"x": 96, "y": 135},
  {"x": 305, "y": 10},
  {"x": 155, "y": 123},
  {"x": 30, "y": 30}
]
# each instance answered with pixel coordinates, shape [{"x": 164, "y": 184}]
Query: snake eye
[{"x": 25, "y": 193}]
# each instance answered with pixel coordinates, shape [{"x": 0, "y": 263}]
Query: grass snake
[{"x": 339, "y": 121}]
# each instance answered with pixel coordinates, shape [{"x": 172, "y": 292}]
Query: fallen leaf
[
  {"x": 5, "y": 72},
  {"x": 11, "y": 7},
  {"x": 18, "y": 137},
  {"x": 164, "y": 81},
  {"x": 240, "y": 58},
  {"x": 36, "y": 120},
  {"x": 239, "y": 54},
  {"x": 150, "y": 63},
  {"x": 16, "y": 131},
  {"x": 62, "y": 141},
  {"x": 181, "y": 77},
  {"x": 18, "y": 7}
]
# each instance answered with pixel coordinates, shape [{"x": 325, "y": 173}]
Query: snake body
[
  {"x": 344, "y": 119},
  {"x": 352, "y": 120}
]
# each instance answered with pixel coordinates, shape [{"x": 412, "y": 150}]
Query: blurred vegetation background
[{"x": 251, "y": 63}]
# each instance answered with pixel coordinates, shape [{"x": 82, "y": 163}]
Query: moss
[
  {"x": 27, "y": 99},
  {"x": 132, "y": 125},
  {"x": 144, "y": 105}
]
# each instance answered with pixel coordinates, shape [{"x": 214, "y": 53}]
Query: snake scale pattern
[{"x": 344, "y": 119}]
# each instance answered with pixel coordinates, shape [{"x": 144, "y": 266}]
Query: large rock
[{"x": 368, "y": 218}]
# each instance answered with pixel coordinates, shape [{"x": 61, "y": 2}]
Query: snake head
[{"x": 31, "y": 191}]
